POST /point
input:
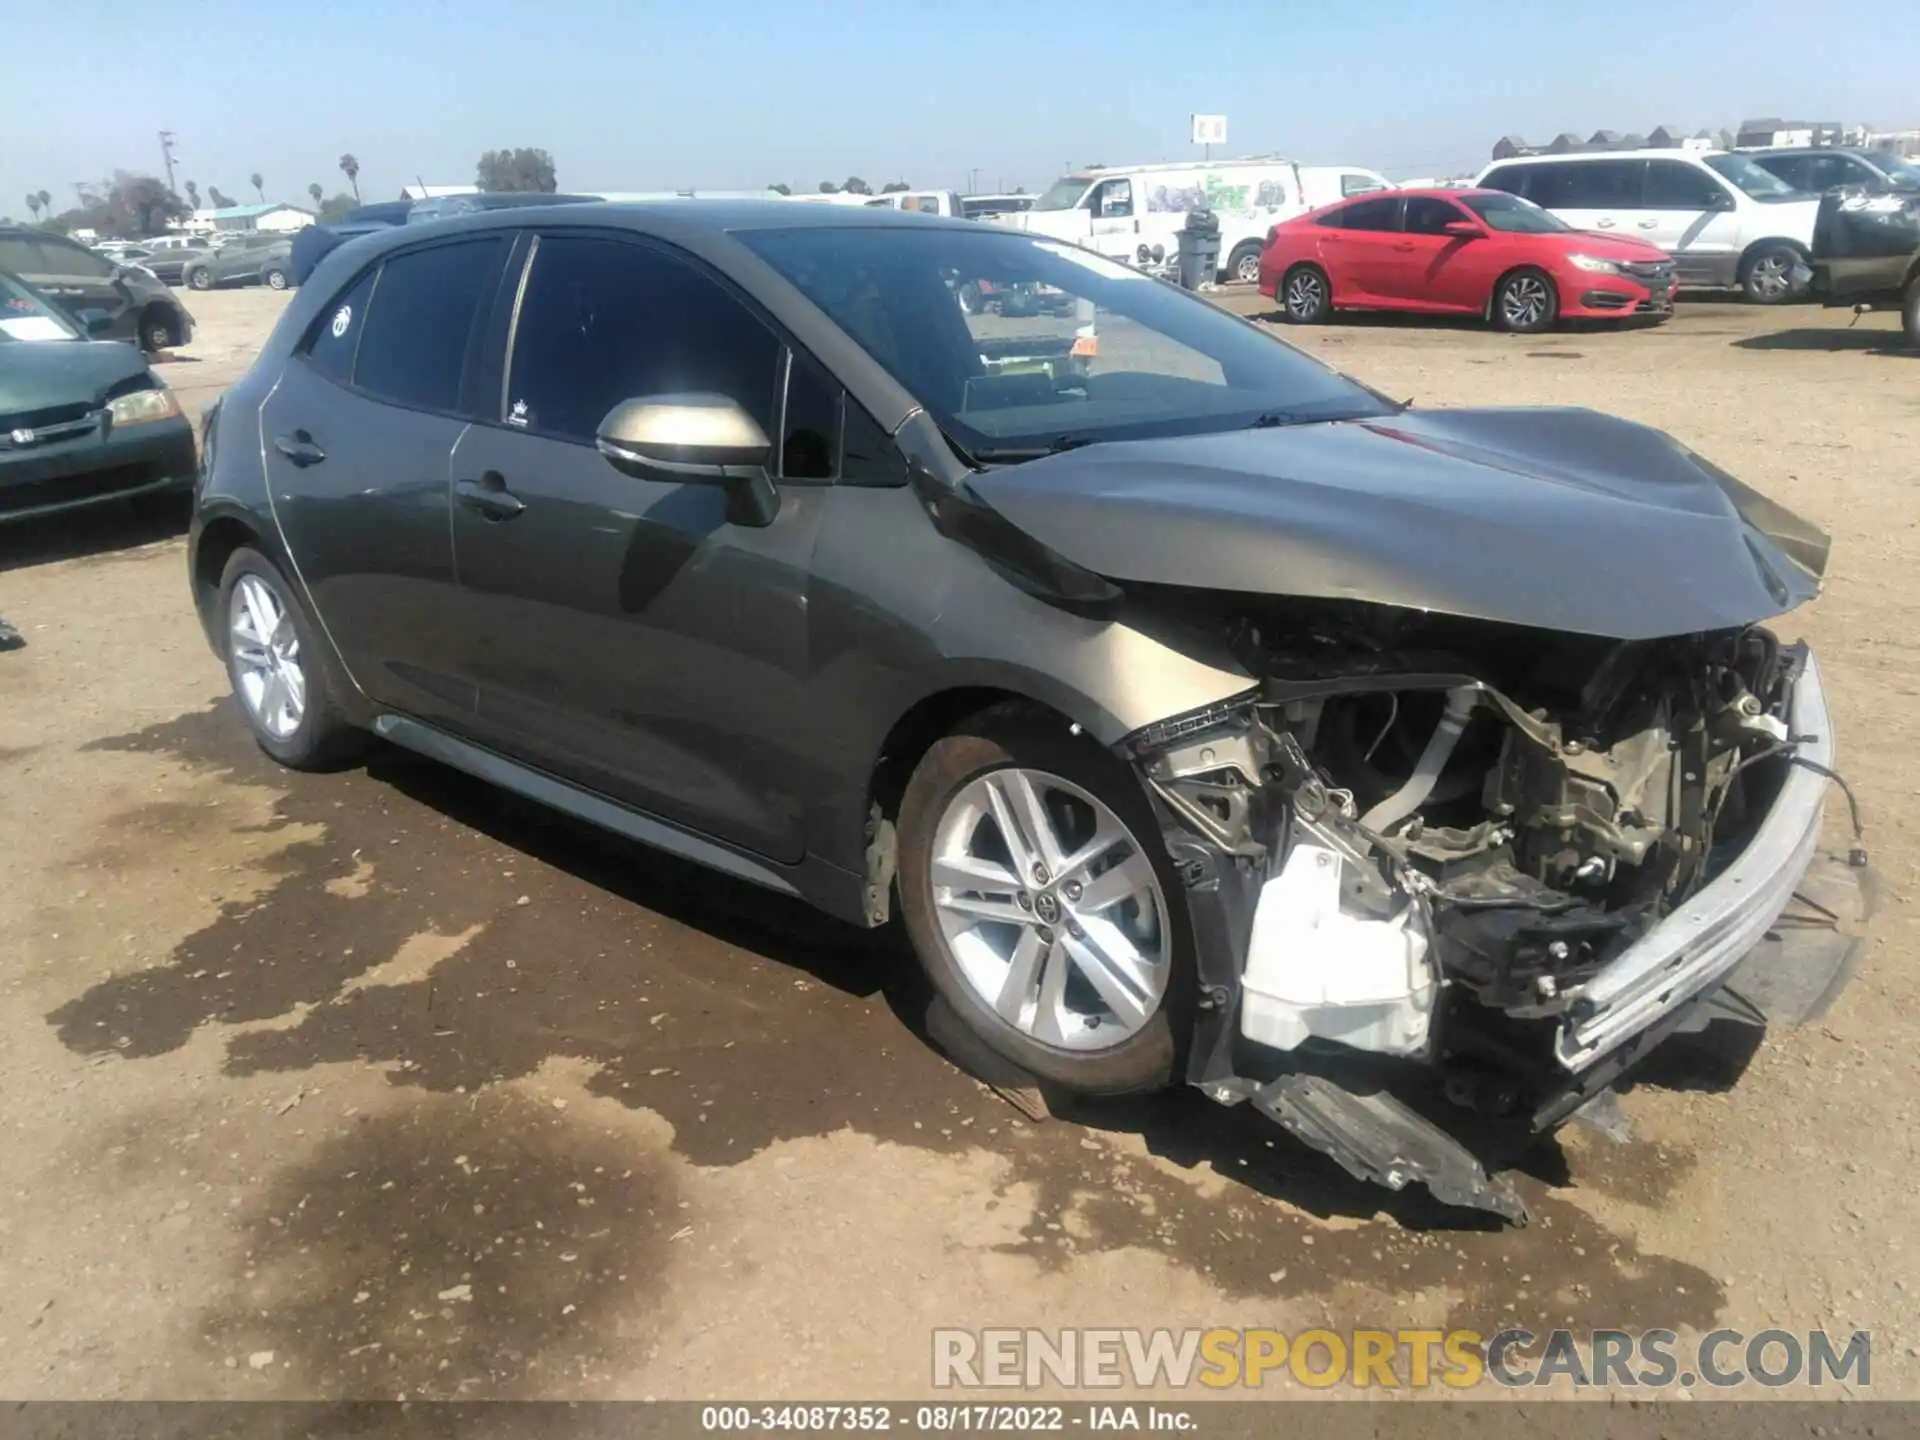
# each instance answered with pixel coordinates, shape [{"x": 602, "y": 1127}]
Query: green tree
[
  {"x": 33, "y": 206},
  {"x": 220, "y": 200},
  {"x": 856, "y": 186},
  {"x": 193, "y": 195},
  {"x": 827, "y": 187},
  {"x": 524, "y": 171},
  {"x": 259, "y": 186},
  {"x": 780, "y": 189},
  {"x": 316, "y": 192},
  {"x": 894, "y": 186},
  {"x": 350, "y": 168},
  {"x": 46, "y": 202},
  {"x": 337, "y": 207}
]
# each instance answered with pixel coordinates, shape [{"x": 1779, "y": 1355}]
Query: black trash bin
[{"x": 1198, "y": 249}]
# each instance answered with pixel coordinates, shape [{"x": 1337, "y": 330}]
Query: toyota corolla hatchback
[
  {"x": 1205, "y": 716},
  {"x": 1460, "y": 252}
]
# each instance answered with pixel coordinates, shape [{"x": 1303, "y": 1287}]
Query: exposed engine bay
[{"x": 1445, "y": 830}]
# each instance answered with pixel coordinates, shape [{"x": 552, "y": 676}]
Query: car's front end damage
[
  {"x": 1489, "y": 865},
  {"x": 1523, "y": 782}
]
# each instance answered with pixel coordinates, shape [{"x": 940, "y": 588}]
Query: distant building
[
  {"x": 1769, "y": 132},
  {"x": 1661, "y": 137},
  {"x": 272, "y": 217}
]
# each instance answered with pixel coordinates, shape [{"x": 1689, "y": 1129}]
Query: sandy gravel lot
[{"x": 385, "y": 1084}]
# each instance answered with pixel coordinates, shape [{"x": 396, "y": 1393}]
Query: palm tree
[
  {"x": 33, "y": 205},
  {"x": 314, "y": 191},
  {"x": 193, "y": 194},
  {"x": 46, "y": 201},
  {"x": 259, "y": 186},
  {"x": 350, "y": 167}
]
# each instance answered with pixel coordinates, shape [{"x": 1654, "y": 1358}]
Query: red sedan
[{"x": 1459, "y": 252}]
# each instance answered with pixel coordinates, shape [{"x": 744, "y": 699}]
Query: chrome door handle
[
  {"x": 299, "y": 448},
  {"x": 490, "y": 496}
]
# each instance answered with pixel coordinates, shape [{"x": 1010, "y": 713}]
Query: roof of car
[
  {"x": 689, "y": 218},
  {"x": 1584, "y": 155}
]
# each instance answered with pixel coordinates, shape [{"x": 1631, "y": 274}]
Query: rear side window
[
  {"x": 1380, "y": 214},
  {"x": 1513, "y": 179},
  {"x": 606, "y": 320},
  {"x": 1352, "y": 184},
  {"x": 420, "y": 322},
  {"x": 58, "y": 258},
  {"x": 336, "y": 334},
  {"x": 1588, "y": 185}
]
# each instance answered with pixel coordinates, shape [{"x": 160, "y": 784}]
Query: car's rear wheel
[
  {"x": 275, "y": 668},
  {"x": 1767, "y": 274},
  {"x": 1042, "y": 905},
  {"x": 1306, "y": 295},
  {"x": 1525, "y": 302},
  {"x": 158, "y": 330},
  {"x": 200, "y": 279},
  {"x": 1244, "y": 263},
  {"x": 1910, "y": 313},
  {"x": 275, "y": 276}
]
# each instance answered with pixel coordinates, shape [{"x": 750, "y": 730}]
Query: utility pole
[
  {"x": 973, "y": 179},
  {"x": 166, "y": 154}
]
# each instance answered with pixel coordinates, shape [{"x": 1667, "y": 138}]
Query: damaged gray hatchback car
[{"x": 1207, "y": 716}]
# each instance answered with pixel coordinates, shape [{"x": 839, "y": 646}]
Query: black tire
[
  {"x": 1525, "y": 302},
  {"x": 1910, "y": 314},
  {"x": 1764, "y": 272},
  {"x": 324, "y": 736},
  {"x": 1305, "y": 295},
  {"x": 997, "y": 739},
  {"x": 159, "y": 330},
  {"x": 1243, "y": 265},
  {"x": 201, "y": 279},
  {"x": 275, "y": 277}
]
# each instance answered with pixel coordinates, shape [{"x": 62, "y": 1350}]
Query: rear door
[
  {"x": 1692, "y": 216},
  {"x": 1599, "y": 195},
  {"x": 1360, "y": 249},
  {"x": 622, "y": 632},
  {"x": 357, "y": 437}
]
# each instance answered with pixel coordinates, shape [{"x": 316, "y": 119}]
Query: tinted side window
[
  {"x": 1794, "y": 169},
  {"x": 1429, "y": 215},
  {"x": 1675, "y": 185},
  {"x": 1513, "y": 179},
  {"x": 1381, "y": 214},
  {"x": 336, "y": 334},
  {"x": 810, "y": 438},
  {"x": 72, "y": 261},
  {"x": 420, "y": 322},
  {"x": 606, "y": 320},
  {"x": 1351, "y": 184},
  {"x": 20, "y": 256},
  {"x": 1593, "y": 185},
  {"x": 868, "y": 455}
]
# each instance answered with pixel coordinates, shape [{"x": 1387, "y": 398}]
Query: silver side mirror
[{"x": 696, "y": 438}]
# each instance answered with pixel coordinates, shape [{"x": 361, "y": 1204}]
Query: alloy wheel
[
  {"x": 1768, "y": 279},
  {"x": 265, "y": 649},
  {"x": 1304, "y": 295},
  {"x": 1524, "y": 302},
  {"x": 1248, "y": 270},
  {"x": 1050, "y": 909}
]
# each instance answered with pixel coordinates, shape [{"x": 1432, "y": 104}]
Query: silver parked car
[{"x": 256, "y": 256}]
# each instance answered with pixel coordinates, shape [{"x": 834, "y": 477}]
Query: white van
[
  {"x": 1727, "y": 223},
  {"x": 920, "y": 202},
  {"x": 1131, "y": 212}
]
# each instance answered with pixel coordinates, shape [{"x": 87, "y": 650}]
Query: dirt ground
[{"x": 383, "y": 1083}]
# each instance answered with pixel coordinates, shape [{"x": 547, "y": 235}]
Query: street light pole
[{"x": 166, "y": 154}]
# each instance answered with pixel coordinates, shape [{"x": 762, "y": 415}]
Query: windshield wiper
[{"x": 1056, "y": 446}]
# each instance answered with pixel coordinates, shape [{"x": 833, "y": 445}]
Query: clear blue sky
[{"x": 634, "y": 94}]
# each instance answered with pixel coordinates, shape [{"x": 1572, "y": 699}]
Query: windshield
[
  {"x": 1063, "y": 194},
  {"x": 1758, "y": 183},
  {"x": 1512, "y": 214},
  {"x": 1904, "y": 174},
  {"x": 25, "y": 315},
  {"x": 1019, "y": 345}
]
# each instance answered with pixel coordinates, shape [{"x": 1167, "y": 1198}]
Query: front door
[
  {"x": 1116, "y": 228},
  {"x": 1691, "y": 215},
  {"x": 621, "y": 632},
  {"x": 366, "y": 415},
  {"x": 1437, "y": 271}
]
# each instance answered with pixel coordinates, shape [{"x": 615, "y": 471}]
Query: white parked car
[
  {"x": 1727, "y": 223},
  {"x": 1132, "y": 213}
]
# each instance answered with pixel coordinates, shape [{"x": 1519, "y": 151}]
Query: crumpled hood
[
  {"x": 40, "y": 374},
  {"x": 1561, "y": 519}
]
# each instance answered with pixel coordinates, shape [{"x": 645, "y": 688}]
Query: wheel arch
[
  {"x": 1747, "y": 254},
  {"x": 215, "y": 539},
  {"x": 1493, "y": 291}
]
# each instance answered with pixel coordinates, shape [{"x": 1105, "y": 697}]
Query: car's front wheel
[
  {"x": 275, "y": 276},
  {"x": 1042, "y": 904},
  {"x": 1767, "y": 276},
  {"x": 1525, "y": 303},
  {"x": 275, "y": 668},
  {"x": 1306, "y": 297},
  {"x": 200, "y": 279},
  {"x": 1910, "y": 313}
]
